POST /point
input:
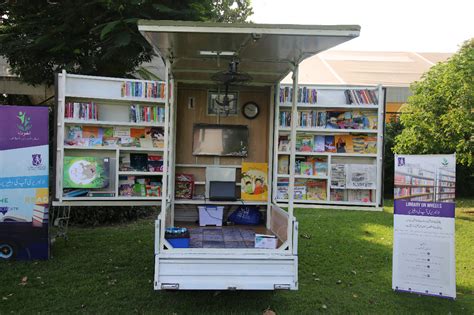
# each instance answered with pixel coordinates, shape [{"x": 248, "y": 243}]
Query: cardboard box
[{"x": 265, "y": 241}]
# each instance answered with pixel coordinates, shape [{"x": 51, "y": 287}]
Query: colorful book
[
  {"x": 316, "y": 190},
  {"x": 318, "y": 143},
  {"x": 329, "y": 144},
  {"x": 304, "y": 143},
  {"x": 320, "y": 167},
  {"x": 283, "y": 164},
  {"x": 86, "y": 172},
  {"x": 254, "y": 182}
]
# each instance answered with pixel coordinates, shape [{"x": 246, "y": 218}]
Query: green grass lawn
[{"x": 345, "y": 267}]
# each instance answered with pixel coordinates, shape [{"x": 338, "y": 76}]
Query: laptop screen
[{"x": 224, "y": 191}]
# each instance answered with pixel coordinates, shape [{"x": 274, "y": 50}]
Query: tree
[
  {"x": 439, "y": 117},
  {"x": 96, "y": 37},
  {"x": 231, "y": 11}
]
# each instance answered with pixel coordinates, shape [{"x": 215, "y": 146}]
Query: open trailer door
[{"x": 193, "y": 53}]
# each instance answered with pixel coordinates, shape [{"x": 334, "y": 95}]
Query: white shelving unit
[
  {"x": 328, "y": 100},
  {"x": 113, "y": 102}
]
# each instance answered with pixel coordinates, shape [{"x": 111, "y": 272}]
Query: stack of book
[
  {"x": 140, "y": 113},
  {"x": 143, "y": 89},
  {"x": 83, "y": 111}
]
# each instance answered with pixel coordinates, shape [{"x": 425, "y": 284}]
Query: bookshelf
[
  {"x": 445, "y": 186},
  {"x": 111, "y": 140},
  {"x": 415, "y": 184},
  {"x": 338, "y": 147}
]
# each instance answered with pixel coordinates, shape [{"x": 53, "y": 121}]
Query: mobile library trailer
[{"x": 205, "y": 147}]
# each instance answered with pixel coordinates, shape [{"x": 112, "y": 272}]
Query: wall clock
[{"x": 250, "y": 110}]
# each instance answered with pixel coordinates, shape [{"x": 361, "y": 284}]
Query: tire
[{"x": 8, "y": 250}]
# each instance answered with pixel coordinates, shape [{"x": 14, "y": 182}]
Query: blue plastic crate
[{"x": 180, "y": 242}]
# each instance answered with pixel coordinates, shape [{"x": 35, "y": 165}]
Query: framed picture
[{"x": 214, "y": 109}]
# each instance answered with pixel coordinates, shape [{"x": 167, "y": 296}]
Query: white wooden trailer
[{"x": 192, "y": 52}]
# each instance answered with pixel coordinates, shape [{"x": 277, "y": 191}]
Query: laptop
[{"x": 222, "y": 191}]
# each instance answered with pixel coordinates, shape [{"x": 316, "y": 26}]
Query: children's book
[
  {"x": 282, "y": 190},
  {"x": 370, "y": 144},
  {"x": 300, "y": 190},
  {"x": 283, "y": 143},
  {"x": 359, "y": 195},
  {"x": 93, "y": 135},
  {"x": 74, "y": 137},
  {"x": 318, "y": 143},
  {"x": 124, "y": 162},
  {"x": 139, "y": 161},
  {"x": 254, "y": 182},
  {"x": 329, "y": 145},
  {"x": 337, "y": 195},
  {"x": 157, "y": 135},
  {"x": 316, "y": 190},
  {"x": 320, "y": 167},
  {"x": 344, "y": 144},
  {"x": 126, "y": 184},
  {"x": 155, "y": 163},
  {"x": 306, "y": 168},
  {"x": 283, "y": 164},
  {"x": 86, "y": 172},
  {"x": 304, "y": 143}
]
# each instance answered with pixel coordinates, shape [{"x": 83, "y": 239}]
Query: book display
[
  {"x": 111, "y": 139},
  {"x": 338, "y": 145}
]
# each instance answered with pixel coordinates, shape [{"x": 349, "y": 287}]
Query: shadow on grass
[{"x": 345, "y": 266}]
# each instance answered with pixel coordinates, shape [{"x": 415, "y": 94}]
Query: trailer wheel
[{"x": 8, "y": 250}]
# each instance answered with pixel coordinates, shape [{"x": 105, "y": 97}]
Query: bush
[{"x": 392, "y": 129}]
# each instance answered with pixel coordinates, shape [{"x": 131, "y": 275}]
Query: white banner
[{"x": 424, "y": 210}]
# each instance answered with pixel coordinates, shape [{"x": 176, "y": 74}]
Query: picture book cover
[
  {"x": 139, "y": 162},
  {"x": 254, "y": 182},
  {"x": 370, "y": 144},
  {"x": 344, "y": 144},
  {"x": 320, "y": 167},
  {"x": 318, "y": 143},
  {"x": 283, "y": 143},
  {"x": 282, "y": 190},
  {"x": 126, "y": 184},
  {"x": 358, "y": 144},
  {"x": 184, "y": 186},
  {"x": 362, "y": 195},
  {"x": 316, "y": 190},
  {"x": 337, "y": 195},
  {"x": 329, "y": 144},
  {"x": 93, "y": 135},
  {"x": 306, "y": 168},
  {"x": 155, "y": 163},
  {"x": 304, "y": 143},
  {"x": 157, "y": 136},
  {"x": 300, "y": 190},
  {"x": 86, "y": 172},
  {"x": 74, "y": 136},
  {"x": 283, "y": 164}
]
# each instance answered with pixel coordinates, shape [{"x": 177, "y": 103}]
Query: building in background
[{"x": 393, "y": 70}]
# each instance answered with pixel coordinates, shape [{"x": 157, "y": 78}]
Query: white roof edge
[{"x": 250, "y": 30}]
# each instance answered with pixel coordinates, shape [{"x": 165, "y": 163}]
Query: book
[
  {"x": 306, "y": 168},
  {"x": 155, "y": 163},
  {"x": 124, "y": 162},
  {"x": 337, "y": 195},
  {"x": 126, "y": 185},
  {"x": 338, "y": 176},
  {"x": 184, "y": 186},
  {"x": 282, "y": 189},
  {"x": 139, "y": 188},
  {"x": 329, "y": 144},
  {"x": 139, "y": 162},
  {"x": 86, "y": 172},
  {"x": 254, "y": 182},
  {"x": 157, "y": 135},
  {"x": 304, "y": 143},
  {"x": 283, "y": 143},
  {"x": 283, "y": 164},
  {"x": 92, "y": 135},
  {"x": 73, "y": 136},
  {"x": 300, "y": 190},
  {"x": 316, "y": 190},
  {"x": 359, "y": 195},
  {"x": 318, "y": 143},
  {"x": 344, "y": 144},
  {"x": 320, "y": 167}
]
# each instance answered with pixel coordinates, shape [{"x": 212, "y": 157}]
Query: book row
[
  {"x": 311, "y": 166},
  {"x": 448, "y": 179},
  {"x": 93, "y": 136},
  {"x": 361, "y": 97},
  {"x": 332, "y": 119},
  {"x": 362, "y": 144},
  {"x": 140, "y": 113},
  {"x": 304, "y": 189},
  {"x": 135, "y": 186},
  {"x": 401, "y": 179},
  {"x": 305, "y": 95},
  {"x": 351, "y": 195},
  {"x": 143, "y": 89},
  {"x": 140, "y": 162},
  {"x": 83, "y": 111}
]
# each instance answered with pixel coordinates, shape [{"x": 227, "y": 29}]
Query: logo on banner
[
  {"x": 36, "y": 163},
  {"x": 444, "y": 162},
  {"x": 24, "y": 128},
  {"x": 401, "y": 161}
]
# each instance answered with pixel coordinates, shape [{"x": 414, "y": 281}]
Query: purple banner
[
  {"x": 23, "y": 126},
  {"x": 424, "y": 208}
]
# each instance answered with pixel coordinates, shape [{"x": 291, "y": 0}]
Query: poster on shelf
[
  {"x": 361, "y": 176},
  {"x": 24, "y": 194},
  {"x": 424, "y": 210}
]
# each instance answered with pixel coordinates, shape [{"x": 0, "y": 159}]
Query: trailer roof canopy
[{"x": 268, "y": 52}]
